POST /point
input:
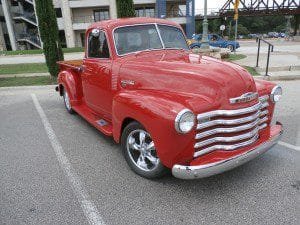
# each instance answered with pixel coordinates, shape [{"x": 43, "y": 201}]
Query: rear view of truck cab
[{"x": 170, "y": 109}]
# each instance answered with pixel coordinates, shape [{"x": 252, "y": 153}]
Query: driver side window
[{"x": 98, "y": 45}]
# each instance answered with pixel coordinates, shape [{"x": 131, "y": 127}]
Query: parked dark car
[{"x": 214, "y": 41}]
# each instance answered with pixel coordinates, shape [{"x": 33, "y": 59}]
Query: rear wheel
[
  {"x": 67, "y": 102},
  {"x": 140, "y": 153},
  {"x": 230, "y": 47}
]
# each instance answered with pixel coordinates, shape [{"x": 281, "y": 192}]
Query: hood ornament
[{"x": 247, "y": 97}]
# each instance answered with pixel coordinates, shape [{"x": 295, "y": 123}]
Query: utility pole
[
  {"x": 236, "y": 16},
  {"x": 204, "y": 40}
]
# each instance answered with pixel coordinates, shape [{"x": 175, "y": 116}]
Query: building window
[
  {"x": 58, "y": 12},
  {"x": 145, "y": 12},
  {"x": 101, "y": 14}
]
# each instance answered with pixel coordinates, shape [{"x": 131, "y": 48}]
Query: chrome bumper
[{"x": 194, "y": 172}]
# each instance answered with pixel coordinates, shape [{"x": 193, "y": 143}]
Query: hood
[{"x": 186, "y": 74}]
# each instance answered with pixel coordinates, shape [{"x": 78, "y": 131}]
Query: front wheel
[{"x": 140, "y": 153}]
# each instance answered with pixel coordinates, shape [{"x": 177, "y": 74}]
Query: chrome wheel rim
[
  {"x": 141, "y": 150},
  {"x": 67, "y": 100}
]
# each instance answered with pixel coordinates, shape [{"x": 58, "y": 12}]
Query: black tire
[
  {"x": 67, "y": 102},
  {"x": 230, "y": 47},
  {"x": 195, "y": 47},
  {"x": 158, "y": 170}
]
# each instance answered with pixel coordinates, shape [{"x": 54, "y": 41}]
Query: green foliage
[
  {"x": 125, "y": 8},
  {"x": 49, "y": 34},
  {"x": 26, "y": 81},
  {"x": 247, "y": 25},
  {"x": 242, "y": 30}
]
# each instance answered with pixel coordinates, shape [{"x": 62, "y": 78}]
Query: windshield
[{"x": 143, "y": 37}]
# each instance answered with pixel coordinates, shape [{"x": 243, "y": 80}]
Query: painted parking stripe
[
  {"x": 297, "y": 148},
  {"x": 88, "y": 207}
]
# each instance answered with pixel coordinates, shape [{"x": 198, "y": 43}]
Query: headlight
[
  {"x": 276, "y": 94},
  {"x": 184, "y": 121}
]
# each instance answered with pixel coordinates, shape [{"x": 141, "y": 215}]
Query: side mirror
[{"x": 95, "y": 33}]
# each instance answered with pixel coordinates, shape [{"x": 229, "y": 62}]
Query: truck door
[{"x": 96, "y": 75}]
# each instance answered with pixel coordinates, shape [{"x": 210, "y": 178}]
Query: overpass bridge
[{"x": 253, "y": 8}]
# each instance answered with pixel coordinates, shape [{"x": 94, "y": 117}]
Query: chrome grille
[{"x": 230, "y": 129}]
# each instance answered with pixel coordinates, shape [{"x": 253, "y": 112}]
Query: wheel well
[
  {"x": 61, "y": 90},
  {"x": 126, "y": 121}
]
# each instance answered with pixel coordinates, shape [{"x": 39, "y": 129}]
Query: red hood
[{"x": 188, "y": 75}]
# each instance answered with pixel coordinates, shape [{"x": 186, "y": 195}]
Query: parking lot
[{"x": 57, "y": 169}]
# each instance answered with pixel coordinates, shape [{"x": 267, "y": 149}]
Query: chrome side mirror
[{"x": 95, "y": 33}]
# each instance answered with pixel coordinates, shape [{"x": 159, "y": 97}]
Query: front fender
[{"x": 157, "y": 114}]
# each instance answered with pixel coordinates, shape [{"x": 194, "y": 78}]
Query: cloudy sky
[{"x": 211, "y": 4}]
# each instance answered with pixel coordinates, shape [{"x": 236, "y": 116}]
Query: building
[{"x": 19, "y": 24}]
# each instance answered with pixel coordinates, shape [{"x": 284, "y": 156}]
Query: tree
[
  {"x": 49, "y": 34},
  {"x": 125, "y": 8}
]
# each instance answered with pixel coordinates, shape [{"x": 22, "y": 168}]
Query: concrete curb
[
  {"x": 25, "y": 75},
  {"x": 50, "y": 86},
  {"x": 274, "y": 78}
]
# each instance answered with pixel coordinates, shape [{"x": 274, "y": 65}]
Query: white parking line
[
  {"x": 88, "y": 207},
  {"x": 297, "y": 148}
]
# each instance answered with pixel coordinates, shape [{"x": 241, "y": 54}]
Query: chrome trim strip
[
  {"x": 227, "y": 139},
  {"x": 247, "y": 97},
  {"x": 235, "y": 112},
  {"x": 228, "y": 122},
  {"x": 228, "y": 129},
  {"x": 263, "y": 98},
  {"x": 201, "y": 171},
  {"x": 230, "y": 147}
]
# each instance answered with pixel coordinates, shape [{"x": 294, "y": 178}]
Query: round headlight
[
  {"x": 184, "y": 121},
  {"x": 276, "y": 94}
]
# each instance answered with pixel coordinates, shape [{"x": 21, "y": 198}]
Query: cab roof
[{"x": 111, "y": 24}]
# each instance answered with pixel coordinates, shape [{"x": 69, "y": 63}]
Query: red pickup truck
[{"x": 169, "y": 108}]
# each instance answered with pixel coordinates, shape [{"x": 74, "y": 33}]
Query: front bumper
[{"x": 206, "y": 170}]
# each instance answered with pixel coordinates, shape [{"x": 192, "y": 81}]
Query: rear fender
[{"x": 71, "y": 81}]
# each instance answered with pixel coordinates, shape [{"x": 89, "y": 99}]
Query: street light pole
[{"x": 204, "y": 40}]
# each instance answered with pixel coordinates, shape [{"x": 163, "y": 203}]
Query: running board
[{"x": 100, "y": 124}]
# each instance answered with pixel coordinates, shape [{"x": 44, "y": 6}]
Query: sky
[{"x": 211, "y": 4}]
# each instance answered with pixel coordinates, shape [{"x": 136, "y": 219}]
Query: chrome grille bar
[
  {"x": 226, "y": 147},
  {"x": 236, "y": 112},
  {"x": 229, "y": 122},
  {"x": 229, "y": 129},
  {"x": 247, "y": 127},
  {"x": 227, "y": 139}
]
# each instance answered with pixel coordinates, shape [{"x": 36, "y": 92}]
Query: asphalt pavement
[{"x": 57, "y": 169}]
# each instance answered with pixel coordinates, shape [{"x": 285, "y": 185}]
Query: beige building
[{"x": 19, "y": 26}]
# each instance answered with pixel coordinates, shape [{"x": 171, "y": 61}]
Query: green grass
[
  {"x": 39, "y": 51},
  {"x": 251, "y": 70},
  {"x": 233, "y": 57},
  {"x": 23, "y": 68},
  {"x": 26, "y": 81}
]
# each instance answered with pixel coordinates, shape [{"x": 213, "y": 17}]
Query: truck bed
[{"x": 71, "y": 64}]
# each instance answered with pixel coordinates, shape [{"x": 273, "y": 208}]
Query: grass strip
[
  {"x": 39, "y": 51},
  {"x": 27, "y": 81},
  {"x": 23, "y": 68}
]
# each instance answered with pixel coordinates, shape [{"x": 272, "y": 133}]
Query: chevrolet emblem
[{"x": 247, "y": 97}]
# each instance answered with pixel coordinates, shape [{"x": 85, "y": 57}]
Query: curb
[
  {"x": 25, "y": 75},
  {"x": 278, "y": 78},
  {"x": 29, "y": 87}
]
